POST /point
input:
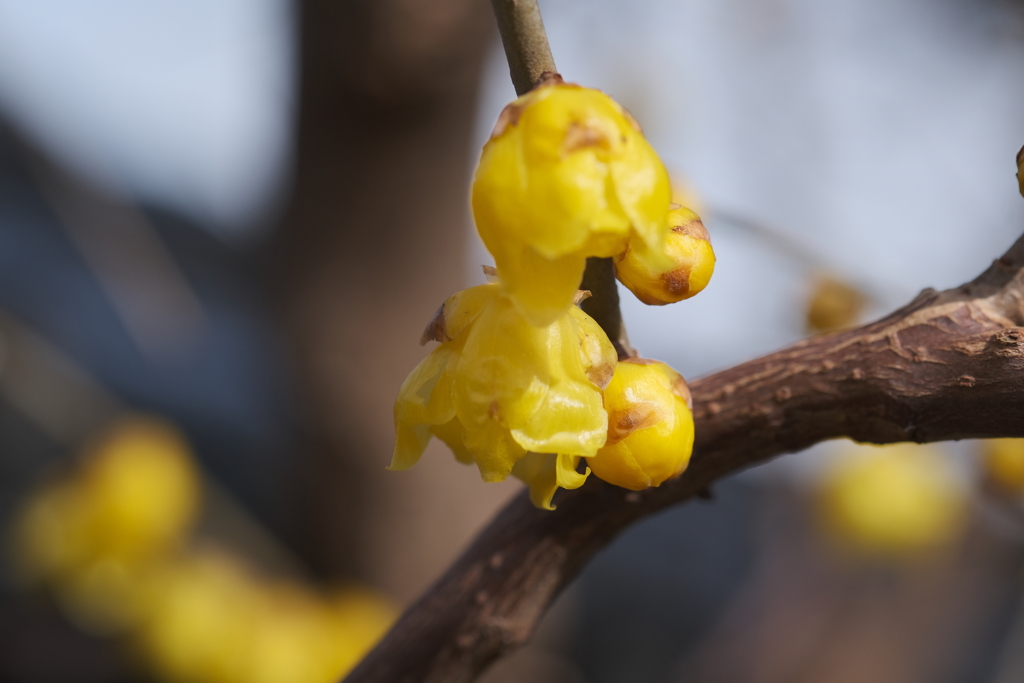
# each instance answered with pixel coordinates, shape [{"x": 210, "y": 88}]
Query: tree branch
[{"x": 949, "y": 365}]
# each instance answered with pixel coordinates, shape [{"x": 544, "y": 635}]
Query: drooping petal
[
  {"x": 451, "y": 433},
  {"x": 565, "y": 472},
  {"x": 493, "y": 450},
  {"x": 410, "y": 442},
  {"x": 545, "y": 473},
  {"x": 537, "y": 471},
  {"x": 424, "y": 399}
]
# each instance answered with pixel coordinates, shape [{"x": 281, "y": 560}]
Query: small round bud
[
  {"x": 650, "y": 426},
  {"x": 688, "y": 246}
]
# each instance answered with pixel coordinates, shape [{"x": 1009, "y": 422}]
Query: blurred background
[{"x": 224, "y": 224}]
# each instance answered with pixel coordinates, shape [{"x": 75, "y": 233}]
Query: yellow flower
[
  {"x": 497, "y": 386},
  {"x": 1003, "y": 461},
  {"x": 567, "y": 174},
  {"x": 692, "y": 263},
  {"x": 893, "y": 499},
  {"x": 650, "y": 426}
]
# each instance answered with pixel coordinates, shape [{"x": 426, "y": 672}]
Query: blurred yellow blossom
[
  {"x": 111, "y": 542},
  {"x": 650, "y": 426},
  {"x": 693, "y": 261},
  {"x": 834, "y": 304},
  {"x": 135, "y": 495},
  {"x": 212, "y": 621},
  {"x": 497, "y": 387},
  {"x": 566, "y": 174},
  {"x": 893, "y": 499},
  {"x": 1003, "y": 461},
  {"x": 132, "y": 500}
]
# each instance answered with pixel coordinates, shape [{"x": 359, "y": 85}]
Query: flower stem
[{"x": 525, "y": 42}]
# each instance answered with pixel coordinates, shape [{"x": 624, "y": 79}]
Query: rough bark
[{"x": 946, "y": 366}]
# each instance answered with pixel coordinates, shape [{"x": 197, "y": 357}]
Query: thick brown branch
[{"x": 949, "y": 365}]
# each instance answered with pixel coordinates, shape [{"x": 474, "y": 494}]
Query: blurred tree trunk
[{"x": 372, "y": 242}]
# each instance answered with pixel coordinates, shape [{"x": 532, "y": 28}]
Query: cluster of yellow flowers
[
  {"x": 524, "y": 382},
  {"x": 112, "y": 543}
]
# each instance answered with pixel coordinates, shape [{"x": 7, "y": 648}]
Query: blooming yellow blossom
[
  {"x": 893, "y": 499},
  {"x": 650, "y": 426},
  {"x": 692, "y": 263},
  {"x": 134, "y": 496},
  {"x": 566, "y": 174},
  {"x": 1003, "y": 461},
  {"x": 497, "y": 387}
]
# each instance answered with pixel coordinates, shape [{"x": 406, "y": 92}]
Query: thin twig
[{"x": 526, "y": 43}]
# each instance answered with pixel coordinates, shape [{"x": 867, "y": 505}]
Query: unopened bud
[
  {"x": 650, "y": 426},
  {"x": 689, "y": 248}
]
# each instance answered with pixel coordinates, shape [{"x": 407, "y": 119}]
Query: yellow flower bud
[
  {"x": 693, "y": 261},
  {"x": 893, "y": 500},
  {"x": 497, "y": 386},
  {"x": 650, "y": 426},
  {"x": 567, "y": 174},
  {"x": 1003, "y": 461}
]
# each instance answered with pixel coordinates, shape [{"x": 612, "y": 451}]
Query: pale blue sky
[{"x": 186, "y": 103}]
